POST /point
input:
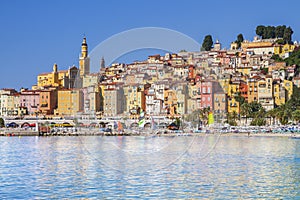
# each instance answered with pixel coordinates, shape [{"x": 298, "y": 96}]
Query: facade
[
  {"x": 113, "y": 101},
  {"x": 265, "y": 93},
  {"x": 279, "y": 93},
  {"x": 70, "y": 102},
  {"x": 93, "y": 99},
  {"x": 63, "y": 78},
  {"x": 170, "y": 103},
  {"x": 30, "y": 99},
  {"x": 90, "y": 80},
  {"x": 220, "y": 106},
  {"x": 48, "y": 101},
  {"x": 9, "y": 102},
  {"x": 207, "y": 94}
]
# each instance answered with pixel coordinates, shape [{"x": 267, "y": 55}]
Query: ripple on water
[{"x": 157, "y": 168}]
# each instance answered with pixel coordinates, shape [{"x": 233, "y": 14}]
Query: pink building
[
  {"x": 30, "y": 99},
  {"x": 208, "y": 89},
  {"x": 206, "y": 95}
]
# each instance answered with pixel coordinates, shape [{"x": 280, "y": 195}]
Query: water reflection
[{"x": 209, "y": 167}]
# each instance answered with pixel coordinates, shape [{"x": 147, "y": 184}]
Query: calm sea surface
[{"x": 207, "y": 167}]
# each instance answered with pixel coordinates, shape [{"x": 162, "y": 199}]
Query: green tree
[
  {"x": 203, "y": 115},
  {"x": 279, "y": 31},
  {"x": 287, "y": 35},
  {"x": 279, "y": 41},
  {"x": 258, "y": 122},
  {"x": 239, "y": 98},
  {"x": 245, "y": 110},
  {"x": 255, "y": 107},
  {"x": 260, "y": 30},
  {"x": 193, "y": 117},
  {"x": 294, "y": 58},
  {"x": 231, "y": 118},
  {"x": 272, "y": 114},
  {"x": 269, "y": 32},
  {"x": 276, "y": 58},
  {"x": 207, "y": 43},
  {"x": 239, "y": 40},
  {"x": 2, "y": 122},
  {"x": 296, "y": 116}
]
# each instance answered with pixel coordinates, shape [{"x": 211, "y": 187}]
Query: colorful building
[
  {"x": 48, "y": 101},
  {"x": 30, "y": 100},
  {"x": 70, "y": 102}
]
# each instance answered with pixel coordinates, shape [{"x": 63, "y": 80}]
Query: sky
[{"x": 36, "y": 34}]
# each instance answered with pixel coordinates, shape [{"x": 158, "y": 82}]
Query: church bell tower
[{"x": 84, "y": 60}]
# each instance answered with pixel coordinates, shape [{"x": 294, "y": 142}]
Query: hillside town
[{"x": 251, "y": 81}]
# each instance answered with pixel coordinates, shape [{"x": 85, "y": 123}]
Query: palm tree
[
  {"x": 272, "y": 114},
  {"x": 283, "y": 114},
  {"x": 203, "y": 115},
  {"x": 231, "y": 118},
  {"x": 245, "y": 110},
  {"x": 296, "y": 116}
]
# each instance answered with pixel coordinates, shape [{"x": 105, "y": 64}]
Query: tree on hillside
[
  {"x": 294, "y": 58},
  {"x": 282, "y": 31},
  {"x": 269, "y": 32},
  {"x": 240, "y": 39},
  {"x": 260, "y": 30},
  {"x": 279, "y": 31},
  {"x": 287, "y": 35},
  {"x": 207, "y": 43}
]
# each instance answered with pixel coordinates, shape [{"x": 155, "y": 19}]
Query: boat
[{"x": 295, "y": 136}]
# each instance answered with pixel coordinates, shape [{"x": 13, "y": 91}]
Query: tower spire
[
  {"x": 84, "y": 61},
  {"x": 84, "y": 48}
]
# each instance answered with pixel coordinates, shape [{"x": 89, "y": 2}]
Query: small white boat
[{"x": 295, "y": 136}]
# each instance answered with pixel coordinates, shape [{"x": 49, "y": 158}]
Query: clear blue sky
[{"x": 36, "y": 34}]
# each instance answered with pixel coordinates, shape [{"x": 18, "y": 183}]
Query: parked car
[{"x": 12, "y": 125}]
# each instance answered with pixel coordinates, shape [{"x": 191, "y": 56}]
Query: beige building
[
  {"x": 93, "y": 100},
  {"x": 220, "y": 106},
  {"x": 70, "y": 102},
  {"x": 113, "y": 101},
  {"x": 265, "y": 92},
  {"x": 90, "y": 80},
  {"x": 9, "y": 102}
]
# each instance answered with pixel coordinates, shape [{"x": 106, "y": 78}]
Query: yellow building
[
  {"x": 170, "y": 102},
  {"x": 279, "y": 94},
  {"x": 233, "y": 89},
  {"x": 288, "y": 85},
  {"x": 244, "y": 70},
  {"x": 70, "y": 101},
  {"x": 282, "y": 50},
  {"x": 135, "y": 99},
  {"x": 256, "y": 43},
  {"x": 62, "y": 78},
  {"x": 48, "y": 79},
  {"x": 252, "y": 90},
  {"x": 233, "y": 105}
]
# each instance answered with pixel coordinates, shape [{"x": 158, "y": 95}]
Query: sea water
[{"x": 182, "y": 167}]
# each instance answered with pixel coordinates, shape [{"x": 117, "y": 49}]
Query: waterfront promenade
[{"x": 163, "y": 132}]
